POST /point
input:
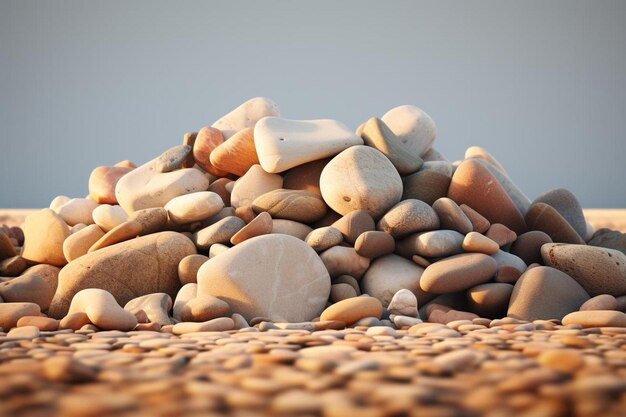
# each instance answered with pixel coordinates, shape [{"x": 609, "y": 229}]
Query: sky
[{"x": 540, "y": 85}]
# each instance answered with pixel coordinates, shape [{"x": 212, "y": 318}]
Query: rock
[
  {"x": 246, "y": 116},
  {"x": 476, "y": 186},
  {"x": 566, "y": 361},
  {"x": 107, "y": 217},
  {"x": 37, "y": 285},
  {"x": 527, "y": 246},
  {"x": 245, "y": 213},
  {"x": 506, "y": 259},
  {"x": 501, "y": 234},
  {"x": 221, "y": 324},
  {"x": 515, "y": 194},
  {"x": 490, "y": 300},
  {"x": 545, "y": 218},
  {"x": 457, "y": 361},
  {"x": 25, "y": 332},
  {"x": 10, "y": 313},
  {"x": 598, "y": 270},
  {"x": 341, "y": 260},
  {"x": 451, "y": 216},
  {"x": 507, "y": 274},
  {"x": 12, "y": 267},
  {"x": 152, "y": 220},
  {"x": 188, "y": 268},
  {"x": 125, "y": 231},
  {"x": 187, "y": 293},
  {"x": 207, "y": 140},
  {"x": 145, "y": 265},
  {"x": 403, "y": 155},
  {"x": 427, "y": 186},
  {"x": 58, "y": 201},
  {"x": 595, "y": 318},
  {"x": 305, "y": 177},
  {"x": 324, "y": 238},
  {"x": 360, "y": 178},
  {"x": 189, "y": 138},
  {"x": 173, "y": 158},
  {"x": 389, "y": 274},
  {"x": 372, "y": 244},
  {"x": 351, "y": 281},
  {"x": 44, "y": 233},
  {"x": 144, "y": 187},
  {"x": 156, "y": 306},
  {"x": 566, "y": 203},
  {"x": 74, "y": 321},
  {"x": 297, "y": 205},
  {"x": 102, "y": 309},
  {"x": 600, "y": 302},
  {"x": 223, "y": 187},
  {"x": 479, "y": 223},
  {"x": 415, "y": 129},
  {"x": 353, "y": 224},
  {"x": 403, "y": 303},
  {"x": 476, "y": 152},
  {"x": 237, "y": 154},
  {"x": 441, "y": 167},
  {"x": 475, "y": 242},
  {"x": 253, "y": 184},
  {"x": 45, "y": 324},
  {"x": 220, "y": 232},
  {"x": 610, "y": 239},
  {"x": 77, "y": 210},
  {"x": 545, "y": 293},
  {"x": 408, "y": 216},
  {"x": 260, "y": 225},
  {"x": 341, "y": 291},
  {"x": 290, "y": 281},
  {"x": 102, "y": 182},
  {"x": 290, "y": 227},
  {"x": 203, "y": 308},
  {"x": 194, "y": 207},
  {"x": 353, "y": 309},
  {"x": 458, "y": 273},
  {"x": 437, "y": 313},
  {"x": 78, "y": 244},
  {"x": 66, "y": 369},
  {"x": 434, "y": 244},
  {"x": 6, "y": 247}
]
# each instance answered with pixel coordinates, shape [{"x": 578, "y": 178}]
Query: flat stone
[
  {"x": 305, "y": 177},
  {"x": 475, "y": 242},
  {"x": 291, "y": 228},
  {"x": 427, "y": 186},
  {"x": 102, "y": 182},
  {"x": 224, "y": 187},
  {"x": 490, "y": 300},
  {"x": 433, "y": 244},
  {"x": 42, "y": 323},
  {"x": 25, "y": 332},
  {"x": 219, "y": 232},
  {"x": 188, "y": 268},
  {"x": 204, "y": 308},
  {"x": 207, "y": 139},
  {"x": 253, "y": 184},
  {"x": 220, "y": 324},
  {"x": 237, "y": 154},
  {"x": 189, "y": 138},
  {"x": 10, "y": 313},
  {"x": 501, "y": 234},
  {"x": 451, "y": 216},
  {"x": 479, "y": 223},
  {"x": 152, "y": 220},
  {"x": 107, "y": 217},
  {"x": 600, "y": 302},
  {"x": 567, "y": 205},
  {"x": 545, "y": 218},
  {"x": 324, "y": 238},
  {"x": 194, "y": 207},
  {"x": 260, "y": 225},
  {"x": 77, "y": 210},
  {"x": 596, "y": 318},
  {"x": 125, "y": 231},
  {"x": 373, "y": 244},
  {"x": 408, "y": 216},
  {"x": 341, "y": 291},
  {"x": 528, "y": 245},
  {"x": 352, "y": 310},
  {"x": 297, "y": 205},
  {"x": 415, "y": 129},
  {"x": 156, "y": 307},
  {"x": 36, "y": 285},
  {"x": 246, "y": 115},
  {"x": 342, "y": 260},
  {"x": 458, "y": 273},
  {"x": 353, "y": 224},
  {"x": 44, "y": 233},
  {"x": 173, "y": 158},
  {"x": 391, "y": 273}
]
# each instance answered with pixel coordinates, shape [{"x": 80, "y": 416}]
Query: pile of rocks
[{"x": 305, "y": 225}]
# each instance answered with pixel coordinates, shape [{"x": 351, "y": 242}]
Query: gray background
[{"x": 541, "y": 85}]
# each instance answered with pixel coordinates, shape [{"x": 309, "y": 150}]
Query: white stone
[
  {"x": 246, "y": 115},
  {"x": 108, "y": 217},
  {"x": 403, "y": 303},
  {"x": 413, "y": 126},
  {"x": 194, "y": 207},
  {"x": 253, "y": 184},
  {"x": 77, "y": 210},
  {"x": 58, "y": 201}
]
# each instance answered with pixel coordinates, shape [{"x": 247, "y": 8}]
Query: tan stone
[
  {"x": 353, "y": 309},
  {"x": 102, "y": 182},
  {"x": 125, "y": 231},
  {"x": 102, "y": 309},
  {"x": 595, "y": 318},
  {"x": 36, "y": 285},
  {"x": 78, "y": 243},
  {"x": 297, "y": 205},
  {"x": 475, "y": 242},
  {"x": 260, "y": 225},
  {"x": 44, "y": 234},
  {"x": 253, "y": 184},
  {"x": 220, "y": 324},
  {"x": 188, "y": 268},
  {"x": 207, "y": 139},
  {"x": 291, "y": 228},
  {"x": 10, "y": 313},
  {"x": 204, "y": 308},
  {"x": 237, "y": 154}
]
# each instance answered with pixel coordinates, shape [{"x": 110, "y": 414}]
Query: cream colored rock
[
  {"x": 324, "y": 238},
  {"x": 44, "y": 234},
  {"x": 10, "y": 313},
  {"x": 194, "y": 207},
  {"x": 282, "y": 143},
  {"x": 109, "y": 217},
  {"x": 391, "y": 273},
  {"x": 596, "y": 318},
  {"x": 125, "y": 231},
  {"x": 341, "y": 260},
  {"x": 219, "y": 232},
  {"x": 187, "y": 293},
  {"x": 77, "y": 210},
  {"x": 204, "y": 308},
  {"x": 220, "y": 324},
  {"x": 36, "y": 285},
  {"x": 78, "y": 243},
  {"x": 58, "y": 201},
  {"x": 188, "y": 268},
  {"x": 246, "y": 116},
  {"x": 253, "y": 184},
  {"x": 102, "y": 310},
  {"x": 415, "y": 129},
  {"x": 358, "y": 178},
  {"x": 216, "y": 249},
  {"x": 290, "y": 227},
  {"x": 290, "y": 282},
  {"x": 475, "y": 242},
  {"x": 353, "y": 309},
  {"x": 156, "y": 306}
]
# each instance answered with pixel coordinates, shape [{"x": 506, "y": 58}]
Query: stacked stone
[{"x": 304, "y": 224}]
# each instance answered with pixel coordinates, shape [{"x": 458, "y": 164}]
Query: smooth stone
[
  {"x": 545, "y": 293},
  {"x": 415, "y": 129},
  {"x": 501, "y": 234},
  {"x": 305, "y": 177},
  {"x": 490, "y": 300},
  {"x": 353, "y": 224},
  {"x": 224, "y": 213},
  {"x": 125, "y": 231},
  {"x": 189, "y": 138},
  {"x": 25, "y": 332},
  {"x": 475, "y": 242},
  {"x": 341, "y": 291},
  {"x": 610, "y": 239},
  {"x": 102, "y": 182},
  {"x": 44, "y": 233},
  {"x": 342, "y": 260},
  {"x": 347, "y": 279},
  {"x": 451, "y": 216},
  {"x": 528, "y": 245},
  {"x": 598, "y": 270},
  {"x": 290, "y": 282},
  {"x": 77, "y": 210},
  {"x": 437, "y": 313},
  {"x": 173, "y": 158},
  {"x": 246, "y": 116},
  {"x": 10, "y": 313},
  {"x": 565, "y": 361},
  {"x": 389, "y": 274},
  {"x": 108, "y": 217},
  {"x": 193, "y": 207},
  {"x": 373, "y": 244},
  {"x": 203, "y": 308},
  {"x": 376, "y": 133},
  {"x": 188, "y": 268},
  {"x": 77, "y": 228},
  {"x": 45, "y": 324},
  {"x": 144, "y": 187},
  {"x": 403, "y": 303},
  {"x": 291, "y": 228},
  {"x": 219, "y": 232},
  {"x": 361, "y": 178},
  {"x": 141, "y": 266},
  {"x": 433, "y": 155},
  {"x": 421, "y": 261},
  {"x": 13, "y": 266},
  {"x": 403, "y": 322},
  {"x": 473, "y": 184},
  {"x": 458, "y": 273},
  {"x": 260, "y": 225},
  {"x": 408, "y": 216},
  {"x": 521, "y": 201},
  {"x": 479, "y": 223},
  {"x": 36, "y": 285},
  {"x": 216, "y": 249},
  {"x": 600, "y": 302},
  {"x": 434, "y": 244},
  {"x": 245, "y": 213},
  {"x": 207, "y": 139},
  {"x": 503, "y": 258},
  {"x": 507, "y": 274},
  {"x": 567, "y": 205},
  {"x": 156, "y": 306},
  {"x": 74, "y": 321},
  {"x": 7, "y": 250},
  {"x": 221, "y": 324},
  {"x": 442, "y": 167},
  {"x": 187, "y": 293},
  {"x": 596, "y": 318},
  {"x": 102, "y": 309},
  {"x": 283, "y": 143},
  {"x": 237, "y": 154},
  {"x": 57, "y": 202},
  {"x": 353, "y": 309},
  {"x": 224, "y": 187},
  {"x": 297, "y": 205},
  {"x": 152, "y": 220},
  {"x": 545, "y": 218},
  {"x": 427, "y": 186},
  {"x": 324, "y": 238},
  {"x": 253, "y": 184},
  {"x": 477, "y": 152}
]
